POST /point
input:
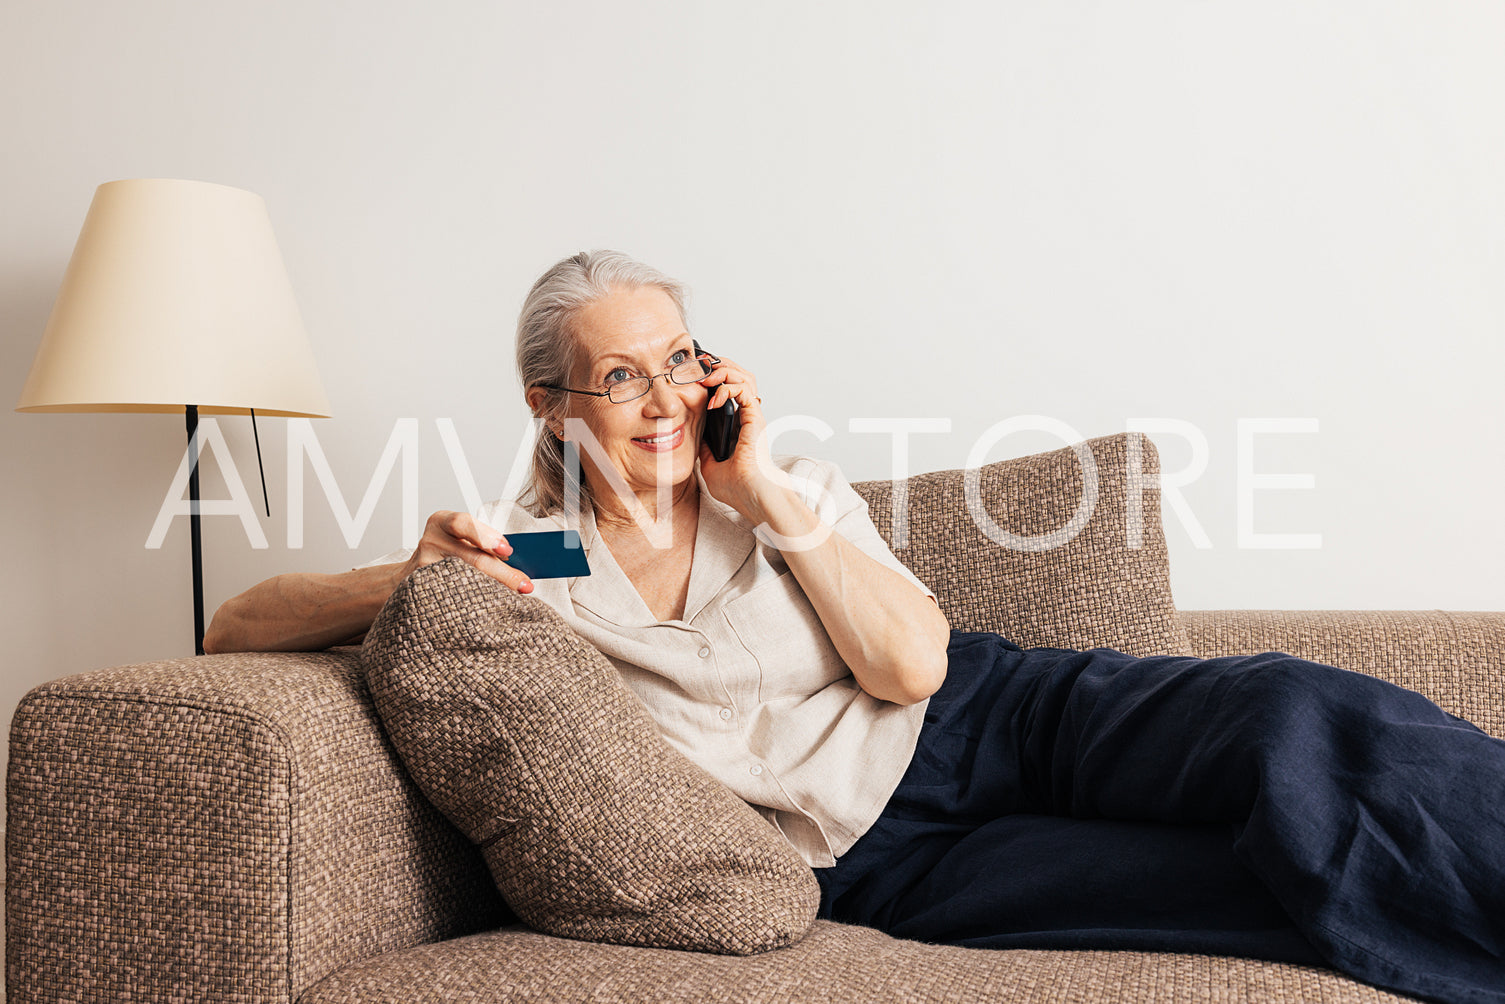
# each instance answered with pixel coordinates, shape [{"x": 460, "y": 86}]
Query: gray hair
[{"x": 549, "y": 351}]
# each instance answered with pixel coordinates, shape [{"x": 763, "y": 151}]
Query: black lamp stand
[{"x": 192, "y": 413}]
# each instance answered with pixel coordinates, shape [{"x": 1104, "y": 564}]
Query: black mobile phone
[
  {"x": 547, "y": 554},
  {"x": 721, "y": 424}
]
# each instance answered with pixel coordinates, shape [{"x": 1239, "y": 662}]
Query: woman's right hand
[{"x": 460, "y": 535}]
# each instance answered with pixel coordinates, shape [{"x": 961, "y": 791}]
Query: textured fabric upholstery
[
  {"x": 1108, "y": 585},
  {"x": 1455, "y": 658},
  {"x": 227, "y": 828},
  {"x": 238, "y": 829},
  {"x": 524, "y": 735},
  {"x": 833, "y": 964}
]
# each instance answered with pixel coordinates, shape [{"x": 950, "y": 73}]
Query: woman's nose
[{"x": 662, "y": 397}]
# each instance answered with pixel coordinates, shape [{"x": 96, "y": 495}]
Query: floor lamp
[{"x": 176, "y": 300}]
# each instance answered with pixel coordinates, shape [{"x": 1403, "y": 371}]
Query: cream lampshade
[
  {"x": 176, "y": 294},
  {"x": 176, "y": 299}
]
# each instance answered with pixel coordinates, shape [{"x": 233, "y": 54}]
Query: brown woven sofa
[{"x": 238, "y": 828}]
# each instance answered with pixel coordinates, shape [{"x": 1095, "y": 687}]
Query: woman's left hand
[
  {"x": 889, "y": 633},
  {"x": 741, "y": 479}
]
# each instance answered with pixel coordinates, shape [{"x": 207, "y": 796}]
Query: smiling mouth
[{"x": 666, "y": 440}]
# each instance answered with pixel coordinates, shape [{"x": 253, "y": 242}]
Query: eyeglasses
[{"x": 691, "y": 370}]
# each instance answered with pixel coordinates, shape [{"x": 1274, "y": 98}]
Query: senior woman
[{"x": 946, "y": 786}]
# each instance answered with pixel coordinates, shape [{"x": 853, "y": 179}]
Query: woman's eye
[
  {"x": 679, "y": 357},
  {"x": 617, "y": 375}
]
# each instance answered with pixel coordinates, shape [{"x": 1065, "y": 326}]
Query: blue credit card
[{"x": 548, "y": 554}]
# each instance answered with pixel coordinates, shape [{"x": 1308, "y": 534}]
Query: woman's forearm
[
  {"x": 301, "y": 612},
  {"x": 892, "y": 636},
  {"x": 305, "y": 612}
]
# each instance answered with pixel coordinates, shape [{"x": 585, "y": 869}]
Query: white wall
[{"x": 1203, "y": 211}]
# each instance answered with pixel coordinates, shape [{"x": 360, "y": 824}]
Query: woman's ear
[{"x": 536, "y": 398}]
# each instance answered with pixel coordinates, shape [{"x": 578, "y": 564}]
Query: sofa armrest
[
  {"x": 228, "y": 828},
  {"x": 1455, "y": 658}
]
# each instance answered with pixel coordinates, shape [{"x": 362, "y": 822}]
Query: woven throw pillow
[
  {"x": 1036, "y": 558},
  {"x": 593, "y": 827}
]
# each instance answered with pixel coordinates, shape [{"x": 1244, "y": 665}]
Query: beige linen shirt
[{"x": 747, "y": 683}]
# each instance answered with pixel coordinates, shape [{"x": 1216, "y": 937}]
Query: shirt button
[
  {"x": 726, "y": 714},
  {"x": 757, "y": 769},
  {"x": 705, "y": 653}
]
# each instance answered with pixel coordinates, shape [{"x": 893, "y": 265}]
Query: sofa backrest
[{"x": 1062, "y": 549}]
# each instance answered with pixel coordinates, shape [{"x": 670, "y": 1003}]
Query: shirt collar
[{"x": 723, "y": 541}]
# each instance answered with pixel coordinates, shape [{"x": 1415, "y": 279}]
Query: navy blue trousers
[{"x": 1261, "y": 806}]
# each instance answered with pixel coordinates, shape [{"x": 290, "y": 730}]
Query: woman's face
[{"x": 632, "y": 334}]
